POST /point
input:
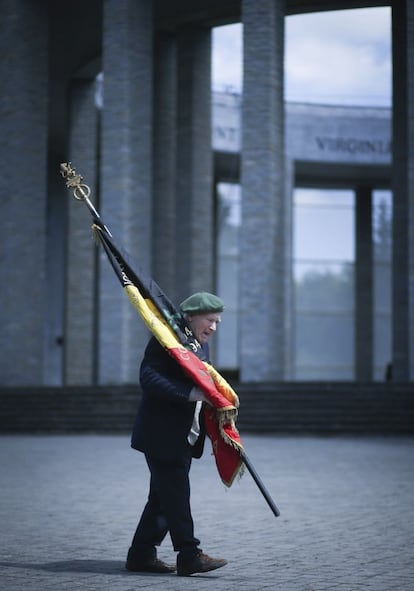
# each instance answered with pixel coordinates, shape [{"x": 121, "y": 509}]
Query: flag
[
  {"x": 171, "y": 330},
  {"x": 168, "y": 326}
]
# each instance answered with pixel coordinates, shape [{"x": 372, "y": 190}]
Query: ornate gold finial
[
  {"x": 74, "y": 181},
  {"x": 80, "y": 191}
]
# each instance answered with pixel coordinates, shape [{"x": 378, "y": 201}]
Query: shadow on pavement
[
  {"x": 100, "y": 567},
  {"x": 107, "y": 567}
]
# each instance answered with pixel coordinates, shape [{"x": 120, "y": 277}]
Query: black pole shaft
[{"x": 260, "y": 484}]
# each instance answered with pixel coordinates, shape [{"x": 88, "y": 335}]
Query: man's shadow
[
  {"x": 104, "y": 567},
  {"x": 98, "y": 567}
]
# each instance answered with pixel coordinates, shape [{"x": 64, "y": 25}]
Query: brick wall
[{"x": 268, "y": 408}]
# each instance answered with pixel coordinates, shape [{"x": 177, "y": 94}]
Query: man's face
[{"x": 204, "y": 325}]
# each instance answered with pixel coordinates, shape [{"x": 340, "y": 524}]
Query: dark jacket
[{"x": 165, "y": 414}]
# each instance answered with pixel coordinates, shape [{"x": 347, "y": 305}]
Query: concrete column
[
  {"x": 164, "y": 181},
  {"x": 364, "y": 285},
  {"x": 23, "y": 189},
  {"x": 195, "y": 257},
  {"x": 403, "y": 191},
  {"x": 126, "y": 178},
  {"x": 80, "y": 309},
  {"x": 263, "y": 235}
]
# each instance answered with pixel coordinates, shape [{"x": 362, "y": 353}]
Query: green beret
[{"x": 202, "y": 302}]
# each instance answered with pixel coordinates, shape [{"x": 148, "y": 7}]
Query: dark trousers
[{"x": 167, "y": 510}]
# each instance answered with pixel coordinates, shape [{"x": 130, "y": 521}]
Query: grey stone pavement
[{"x": 69, "y": 506}]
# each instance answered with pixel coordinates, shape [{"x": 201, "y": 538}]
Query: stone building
[
  {"x": 144, "y": 146},
  {"x": 336, "y": 153}
]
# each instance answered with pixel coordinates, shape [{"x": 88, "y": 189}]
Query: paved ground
[{"x": 69, "y": 505}]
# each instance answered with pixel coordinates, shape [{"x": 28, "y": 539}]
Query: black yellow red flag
[{"x": 168, "y": 326}]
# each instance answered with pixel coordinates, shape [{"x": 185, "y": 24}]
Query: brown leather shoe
[
  {"x": 152, "y": 566},
  {"x": 200, "y": 563}
]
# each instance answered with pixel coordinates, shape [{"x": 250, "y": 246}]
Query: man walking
[{"x": 169, "y": 430}]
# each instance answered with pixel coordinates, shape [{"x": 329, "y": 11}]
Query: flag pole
[{"x": 259, "y": 484}]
